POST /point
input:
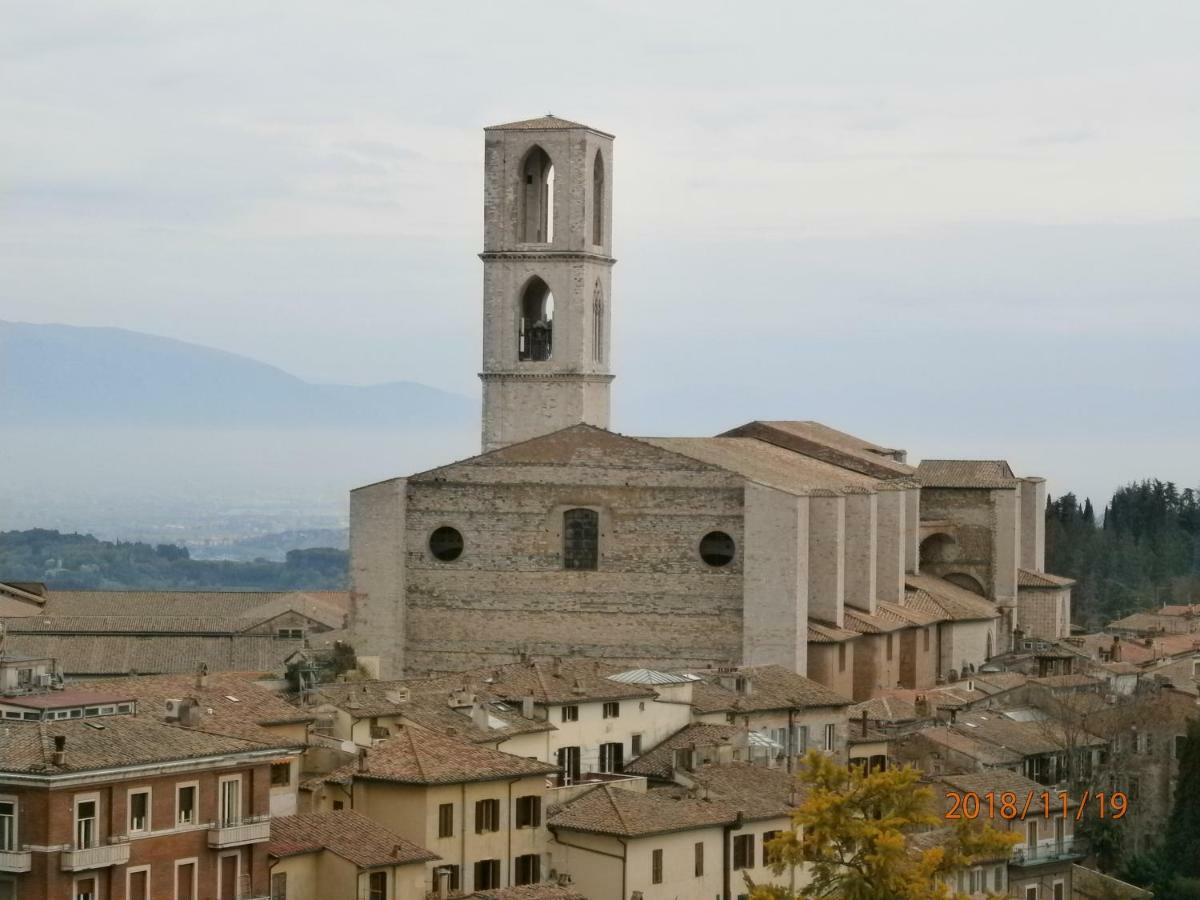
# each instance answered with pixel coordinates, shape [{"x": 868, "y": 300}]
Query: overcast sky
[{"x": 964, "y": 228}]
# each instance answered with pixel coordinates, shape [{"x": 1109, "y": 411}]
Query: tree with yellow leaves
[{"x": 851, "y": 838}]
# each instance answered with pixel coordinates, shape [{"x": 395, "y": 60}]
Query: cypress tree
[{"x": 1181, "y": 850}]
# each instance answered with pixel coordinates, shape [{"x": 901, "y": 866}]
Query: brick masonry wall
[{"x": 652, "y": 601}]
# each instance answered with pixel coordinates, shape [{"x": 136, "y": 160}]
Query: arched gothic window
[
  {"x": 598, "y": 323},
  {"x": 535, "y": 330},
  {"x": 581, "y": 539},
  {"x": 598, "y": 199},
  {"x": 536, "y": 225}
]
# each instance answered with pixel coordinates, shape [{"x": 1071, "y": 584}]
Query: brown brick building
[{"x": 133, "y": 807}]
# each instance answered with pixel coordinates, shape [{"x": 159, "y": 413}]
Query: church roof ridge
[{"x": 548, "y": 122}]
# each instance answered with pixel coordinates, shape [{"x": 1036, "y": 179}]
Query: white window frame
[
  {"x": 195, "y": 786},
  {"x": 194, "y": 862},
  {"x": 223, "y": 821},
  {"x": 149, "y": 792},
  {"x": 15, "y": 836},
  {"x": 93, "y": 797},
  {"x": 129, "y": 873},
  {"x": 235, "y": 855}
]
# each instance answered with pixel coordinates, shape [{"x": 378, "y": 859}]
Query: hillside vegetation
[{"x": 80, "y": 561}]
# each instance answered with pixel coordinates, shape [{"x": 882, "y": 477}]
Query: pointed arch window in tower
[
  {"x": 535, "y": 331},
  {"x": 581, "y": 539},
  {"x": 598, "y": 323},
  {"x": 598, "y": 199},
  {"x": 537, "y": 198}
]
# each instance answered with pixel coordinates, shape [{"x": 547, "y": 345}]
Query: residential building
[
  {"x": 481, "y": 811},
  {"x": 796, "y": 713},
  {"x": 343, "y": 855},
  {"x": 699, "y": 838},
  {"x": 135, "y": 806},
  {"x": 1041, "y": 864}
]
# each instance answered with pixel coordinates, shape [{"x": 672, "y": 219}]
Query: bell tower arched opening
[
  {"x": 536, "y": 225},
  {"x": 535, "y": 331}
]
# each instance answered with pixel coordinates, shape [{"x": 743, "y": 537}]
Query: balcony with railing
[
  {"x": 98, "y": 857},
  {"x": 1049, "y": 850},
  {"x": 14, "y": 860},
  {"x": 250, "y": 830}
]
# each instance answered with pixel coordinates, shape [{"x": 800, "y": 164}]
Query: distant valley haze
[{"x": 251, "y": 239}]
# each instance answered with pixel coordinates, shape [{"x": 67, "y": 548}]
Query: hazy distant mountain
[{"x": 62, "y": 374}]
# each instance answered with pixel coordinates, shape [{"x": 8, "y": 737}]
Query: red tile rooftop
[{"x": 63, "y": 699}]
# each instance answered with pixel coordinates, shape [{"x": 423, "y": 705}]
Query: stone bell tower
[{"x": 547, "y": 273}]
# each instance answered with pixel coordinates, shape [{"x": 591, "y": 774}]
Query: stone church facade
[{"x": 784, "y": 543}]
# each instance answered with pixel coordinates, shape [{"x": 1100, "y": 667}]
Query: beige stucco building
[{"x": 782, "y": 543}]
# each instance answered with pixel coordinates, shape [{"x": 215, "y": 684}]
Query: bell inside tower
[{"x": 535, "y": 336}]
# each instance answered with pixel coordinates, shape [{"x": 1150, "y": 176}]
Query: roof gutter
[{"x": 66, "y": 779}]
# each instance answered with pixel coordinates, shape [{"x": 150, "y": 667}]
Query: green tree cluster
[
  {"x": 1144, "y": 550},
  {"x": 81, "y": 562}
]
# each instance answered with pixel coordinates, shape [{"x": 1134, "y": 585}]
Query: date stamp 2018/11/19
[{"x": 1009, "y": 805}]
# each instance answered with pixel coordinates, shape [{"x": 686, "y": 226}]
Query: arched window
[
  {"x": 598, "y": 323},
  {"x": 535, "y": 331},
  {"x": 536, "y": 225},
  {"x": 598, "y": 199},
  {"x": 938, "y": 548},
  {"x": 581, "y": 539}
]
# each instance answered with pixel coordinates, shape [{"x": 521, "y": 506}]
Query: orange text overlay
[{"x": 1010, "y": 805}]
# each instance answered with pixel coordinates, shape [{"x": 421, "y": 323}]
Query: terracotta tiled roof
[
  {"x": 260, "y": 605},
  {"x": 887, "y": 710},
  {"x": 1077, "y": 680},
  {"x": 770, "y": 687},
  {"x": 754, "y": 791},
  {"x": 770, "y": 465},
  {"x": 932, "y": 594},
  {"x": 416, "y": 702},
  {"x": 881, "y": 623},
  {"x": 828, "y": 444},
  {"x": 120, "y": 654},
  {"x": 416, "y": 755},
  {"x": 1030, "y": 578},
  {"x": 229, "y": 703},
  {"x": 657, "y": 761},
  {"x": 913, "y": 615},
  {"x": 544, "y": 891},
  {"x": 114, "y": 742},
  {"x": 721, "y": 793},
  {"x": 1026, "y": 738},
  {"x": 998, "y": 682},
  {"x": 966, "y": 473},
  {"x": 349, "y": 834},
  {"x": 627, "y": 813},
  {"x": 1177, "y": 609},
  {"x": 542, "y": 123},
  {"x": 985, "y": 752},
  {"x": 546, "y": 681},
  {"x": 823, "y": 633}
]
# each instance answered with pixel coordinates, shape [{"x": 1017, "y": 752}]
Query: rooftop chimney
[
  {"x": 479, "y": 715},
  {"x": 362, "y": 759},
  {"x": 864, "y": 722},
  {"x": 201, "y": 676},
  {"x": 60, "y": 750},
  {"x": 527, "y": 707}
]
